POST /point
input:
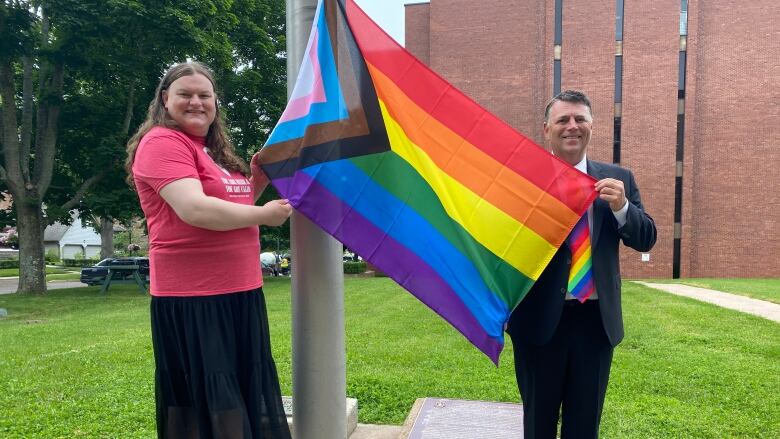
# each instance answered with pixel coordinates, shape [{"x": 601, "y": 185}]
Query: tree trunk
[
  {"x": 106, "y": 237},
  {"x": 32, "y": 264}
]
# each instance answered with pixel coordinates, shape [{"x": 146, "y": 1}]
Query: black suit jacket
[{"x": 536, "y": 317}]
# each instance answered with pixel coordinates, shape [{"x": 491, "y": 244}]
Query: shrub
[
  {"x": 13, "y": 241},
  {"x": 354, "y": 267},
  {"x": 9, "y": 263},
  {"x": 52, "y": 255},
  {"x": 79, "y": 262}
]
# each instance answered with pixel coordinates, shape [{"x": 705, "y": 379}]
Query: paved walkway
[
  {"x": 8, "y": 285},
  {"x": 370, "y": 431},
  {"x": 761, "y": 308}
]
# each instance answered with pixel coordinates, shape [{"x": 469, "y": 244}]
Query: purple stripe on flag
[{"x": 398, "y": 262}]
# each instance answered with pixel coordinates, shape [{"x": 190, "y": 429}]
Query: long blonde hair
[{"x": 217, "y": 140}]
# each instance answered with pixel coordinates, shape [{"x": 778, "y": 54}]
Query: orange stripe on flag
[{"x": 476, "y": 170}]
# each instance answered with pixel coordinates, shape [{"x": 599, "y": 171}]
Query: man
[{"x": 564, "y": 331}]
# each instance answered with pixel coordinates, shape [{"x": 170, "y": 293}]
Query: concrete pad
[
  {"x": 371, "y": 431},
  {"x": 351, "y": 414},
  {"x": 440, "y": 418},
  {"x": 761, "y": 308}
]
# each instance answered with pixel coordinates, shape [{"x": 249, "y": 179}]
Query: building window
[{"x": 557, "y": 47}]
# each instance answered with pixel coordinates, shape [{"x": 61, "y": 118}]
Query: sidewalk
[
  {"x": 8, "y": 285},
  {"x": 761, "y": 308},
  {"x": 370, "y": 431}
]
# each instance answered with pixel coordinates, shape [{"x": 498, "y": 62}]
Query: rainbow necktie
[{"x": 580, "y": 274}]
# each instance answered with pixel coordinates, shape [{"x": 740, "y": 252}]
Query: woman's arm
[{"x": 197, "y": 209}]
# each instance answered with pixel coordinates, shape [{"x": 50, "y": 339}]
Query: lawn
[
  {"x": 764, "y": 289},
  {"x": 52, "y": 273},
  {"x": 14, "y": 272},
  {"x": 63, "y": 276},
  {"x": 77, "y": 364}
]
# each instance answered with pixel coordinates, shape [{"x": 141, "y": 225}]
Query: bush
[
  {"x": 9, "y": 263},
  {"x": 13, "y": 241},
  {"x": 354, "y": 267},
  {"x": 52, "y": 255},
  {"x": 79, "y": 262}
]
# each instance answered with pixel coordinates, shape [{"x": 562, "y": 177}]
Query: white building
[{"x": 72, "y": 239}]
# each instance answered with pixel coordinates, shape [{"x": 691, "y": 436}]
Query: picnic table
[{"x": 125, "y": 274}]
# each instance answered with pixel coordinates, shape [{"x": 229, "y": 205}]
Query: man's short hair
[{"x": 573, "y": 96}]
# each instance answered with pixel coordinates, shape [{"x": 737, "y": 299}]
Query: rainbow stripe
[
  {"x": 580, "y": 283},
  {"x": 452, "y": 203}
]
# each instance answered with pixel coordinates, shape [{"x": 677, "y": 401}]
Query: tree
[
  {"x": 92, "y": 144},
  {"x": 75, "y": 77},
  {"x": 51, "y": 53},
  {"x": 28, "y": 51},
  {"x": 111, "y": 84},
  {"x": 254, "y": 90},
  {"x": 245, "y": 47}
]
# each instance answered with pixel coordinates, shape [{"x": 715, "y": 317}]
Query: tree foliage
[{"x": 76, "y": 77}]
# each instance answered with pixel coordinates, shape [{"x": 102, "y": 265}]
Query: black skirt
[{"x": 215, "y": 376}]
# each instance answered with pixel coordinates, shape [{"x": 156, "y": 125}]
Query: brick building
[{"x": 684, "y": 93}]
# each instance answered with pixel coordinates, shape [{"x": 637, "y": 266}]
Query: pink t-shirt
[{"x": 185, "y": 260}]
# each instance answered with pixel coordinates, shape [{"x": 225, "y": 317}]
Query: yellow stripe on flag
[{"x": 526, "y": 250}]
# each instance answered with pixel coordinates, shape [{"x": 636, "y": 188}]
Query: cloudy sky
[{"x": 389, "y": 14}]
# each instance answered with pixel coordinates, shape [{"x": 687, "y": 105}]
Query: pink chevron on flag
[{"x": 308, "y": 88}]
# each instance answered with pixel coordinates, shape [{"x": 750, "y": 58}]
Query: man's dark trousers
[{"x": 546, "y": 376}]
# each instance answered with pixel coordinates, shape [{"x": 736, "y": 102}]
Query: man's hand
[{"x": 612, "y": 191}]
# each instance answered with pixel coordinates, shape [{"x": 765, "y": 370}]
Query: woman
[{"x": 215, "y": 376}]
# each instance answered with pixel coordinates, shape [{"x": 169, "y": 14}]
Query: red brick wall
[
  {"x": 500, "y": 54},
  {"x": 417, "y": 41},
  {"x": 588, "y": 65},
  {"x": 510, "y": 75},
  {"x": 649, "y": 125},
  {"x": 735, "y": 180},
  {"x": 691, "y": 93}
]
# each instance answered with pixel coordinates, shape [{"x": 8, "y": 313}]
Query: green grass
[
  {"x": 763, "y": 289},
  {"x": 691, "y": 369},
  {"x": 52, "y": 273},
  {"x": 77, "y": 364},
  {"x": 66, "y": 276},
  {"x": 14, "y": 272}
]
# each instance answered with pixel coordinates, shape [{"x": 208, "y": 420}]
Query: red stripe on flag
[{"x": 483, "y": 130}]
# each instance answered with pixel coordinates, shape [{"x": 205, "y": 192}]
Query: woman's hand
[{"x": 277, "y": 212}]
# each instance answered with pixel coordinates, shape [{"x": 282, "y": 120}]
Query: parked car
[{"x": 96, "y": 274}]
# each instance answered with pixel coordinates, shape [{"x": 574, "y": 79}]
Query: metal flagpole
[{"x": 318, "y": 349}]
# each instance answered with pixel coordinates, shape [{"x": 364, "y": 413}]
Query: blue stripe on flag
[{"x": 402, "y": 223}]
